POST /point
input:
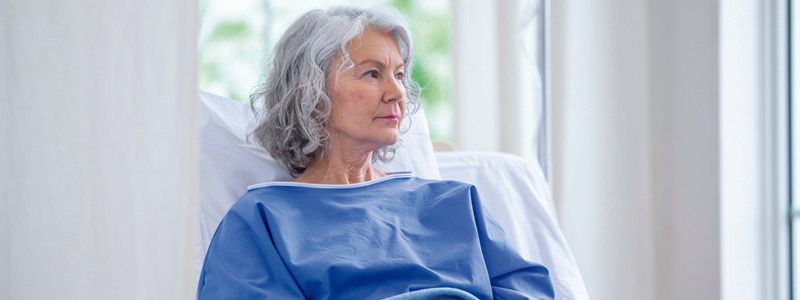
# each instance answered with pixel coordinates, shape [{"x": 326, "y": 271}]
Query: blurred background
[{"x": 666, "y": 129}]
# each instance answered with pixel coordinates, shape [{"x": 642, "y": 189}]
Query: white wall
[{"x": 98, "y": 149}]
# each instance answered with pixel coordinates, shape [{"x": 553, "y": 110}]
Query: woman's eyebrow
[{"x": 378, "y": 63}]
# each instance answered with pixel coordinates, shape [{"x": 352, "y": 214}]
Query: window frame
[{"x": 776, "y": 140}]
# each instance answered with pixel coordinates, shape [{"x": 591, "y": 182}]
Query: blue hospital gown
[{"x": 369, "y": 240}]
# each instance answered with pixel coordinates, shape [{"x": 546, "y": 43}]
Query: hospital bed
[{"x": 514, "y": 191}]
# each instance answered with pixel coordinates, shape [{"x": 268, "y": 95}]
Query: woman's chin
[{"x": 388, "y": 139}]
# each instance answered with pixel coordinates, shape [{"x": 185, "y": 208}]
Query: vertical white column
[
  {"x": 99, "y": 175},
  {"x": 518, "y": 84},
  {"x": 739, "y": 197},
  {"x": 475, "y": 85}
]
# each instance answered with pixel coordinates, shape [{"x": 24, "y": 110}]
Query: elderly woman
[{"x": 336, "y": 100}]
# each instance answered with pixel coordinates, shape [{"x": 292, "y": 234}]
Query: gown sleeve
[
  {"x": 512, "y": 277},
  {"x": 242, "y": 261}
]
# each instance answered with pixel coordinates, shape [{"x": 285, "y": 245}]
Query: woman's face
[{"x": 368, "y": 100}]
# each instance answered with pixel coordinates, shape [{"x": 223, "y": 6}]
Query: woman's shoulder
[
  {"x": 252, "y": 198},
  {"x": 444, "y": 186}
]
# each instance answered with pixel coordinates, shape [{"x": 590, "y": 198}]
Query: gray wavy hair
[{"x": 296, "y": 105}]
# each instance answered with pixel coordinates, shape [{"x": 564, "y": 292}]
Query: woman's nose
[{"x": 394, "y": 90}]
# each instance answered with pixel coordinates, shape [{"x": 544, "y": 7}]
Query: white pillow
[{"x": 228, "y": 162}]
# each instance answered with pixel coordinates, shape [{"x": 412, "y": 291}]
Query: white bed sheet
[{"x": 516, "y": 193}]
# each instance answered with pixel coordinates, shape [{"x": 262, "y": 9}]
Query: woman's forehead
[{"x": 374, "y": 46}]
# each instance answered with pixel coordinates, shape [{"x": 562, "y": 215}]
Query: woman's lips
[{"x": 390, "y": 117}]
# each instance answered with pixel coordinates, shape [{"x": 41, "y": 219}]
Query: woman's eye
[
  {"x": 372, "y": 74},
  {"x": 399, "y": 76}
]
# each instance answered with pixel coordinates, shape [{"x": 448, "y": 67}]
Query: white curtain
[
  {"x": 637, "y": 124},
  {"x": 97, "y": 158},
  {"x": 601, "y": 155}
]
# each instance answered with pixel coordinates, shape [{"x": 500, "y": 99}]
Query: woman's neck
[{"x": 341, "y": 167}]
